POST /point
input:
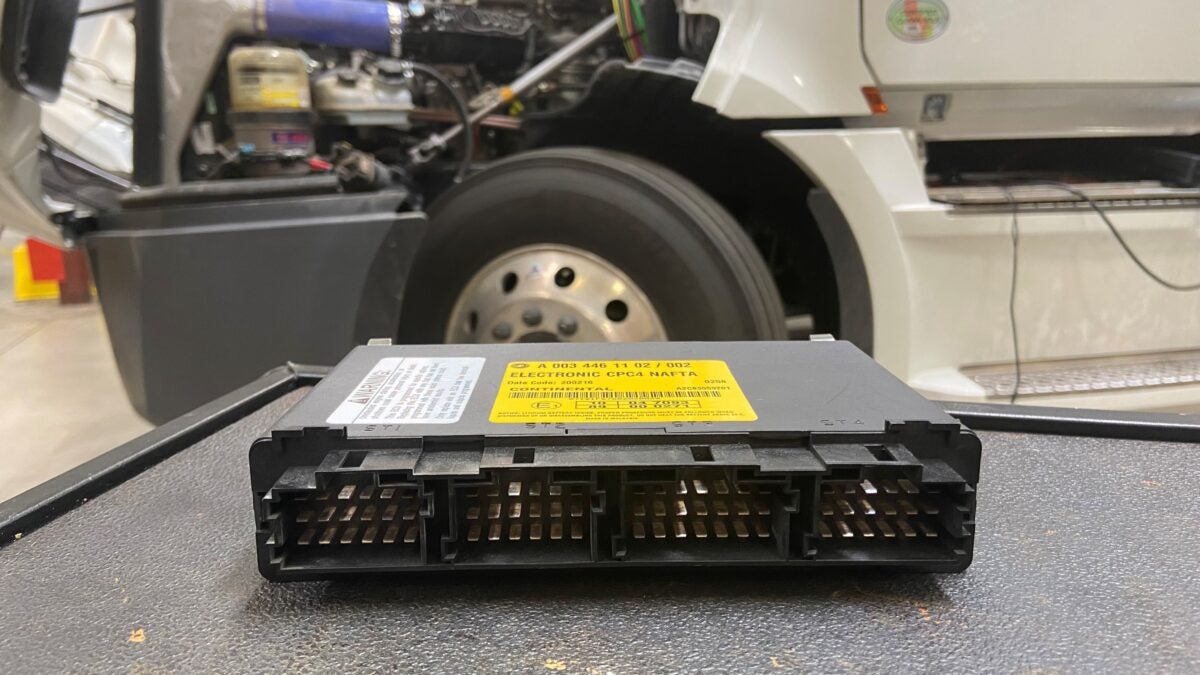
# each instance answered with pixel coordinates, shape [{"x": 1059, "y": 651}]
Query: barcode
[{"x": 698, "y": 393}]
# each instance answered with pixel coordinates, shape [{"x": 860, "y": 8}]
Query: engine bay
[{"x": 379, "y": 93}]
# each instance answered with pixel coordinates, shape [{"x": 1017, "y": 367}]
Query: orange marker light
[{"x": 875, "y": 100}]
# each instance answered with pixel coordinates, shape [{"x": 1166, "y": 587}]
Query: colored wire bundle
[{"x": 631, "y": 25}]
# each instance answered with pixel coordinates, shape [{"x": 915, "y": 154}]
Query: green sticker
[{"x": 918, "y": 20}]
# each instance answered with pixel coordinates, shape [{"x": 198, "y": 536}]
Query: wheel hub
[{"x": 552, "y": 293}]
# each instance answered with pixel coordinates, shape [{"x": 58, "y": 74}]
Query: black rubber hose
[{"x": 468, "y": 134}]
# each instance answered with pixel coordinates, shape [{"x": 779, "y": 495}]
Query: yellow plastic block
[{"x": 24, "y": 286}]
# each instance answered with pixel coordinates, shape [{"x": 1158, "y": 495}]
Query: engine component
[
  {"x": 441, "y": 32},
  {"x": 356, "y": 24},
  {"x": 271, "y": 112},
  {"x": 610, "y": 455},
  {"x": 356, "y": 97},
  {"x": 529, "y": 79},
  {"x": 661, "y": 256}
]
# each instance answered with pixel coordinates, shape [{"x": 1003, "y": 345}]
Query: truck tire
[{"x": 582, "y": 244}]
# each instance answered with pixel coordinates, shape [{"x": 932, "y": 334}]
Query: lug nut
[
  {"x": 532, "y": 316},
  {"x": 568, "y": 325},
  {"x": 502, "y": 331}
]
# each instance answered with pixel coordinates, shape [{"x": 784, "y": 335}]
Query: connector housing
[{"x": 592, "y": 455}]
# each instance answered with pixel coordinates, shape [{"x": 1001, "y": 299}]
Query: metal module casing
[{"x": 439, "y": 457}]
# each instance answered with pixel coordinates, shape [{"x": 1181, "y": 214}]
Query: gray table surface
[{"x": 1087, "y": 559}]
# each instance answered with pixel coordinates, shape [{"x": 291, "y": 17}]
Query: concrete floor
[{"x": 61, "y": 399}]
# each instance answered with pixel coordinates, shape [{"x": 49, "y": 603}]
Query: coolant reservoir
[
  {"x": 356, "y": 97},
  {"x": 271, "y": 109},
  {"x": 268, "y": 78}
]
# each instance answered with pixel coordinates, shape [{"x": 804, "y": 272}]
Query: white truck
[{"x": 995, "y": 200}]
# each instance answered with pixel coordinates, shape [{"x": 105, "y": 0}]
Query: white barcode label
[{"x": 411, "y": 391}]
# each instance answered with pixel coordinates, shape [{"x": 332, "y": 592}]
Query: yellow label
[{"x": 620, "y": 391}]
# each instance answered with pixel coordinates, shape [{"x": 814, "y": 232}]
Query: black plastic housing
[{"x": 858, "y": 488}]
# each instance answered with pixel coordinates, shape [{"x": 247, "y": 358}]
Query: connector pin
[
  {"x": 473, "y": 512},
  {"x": 556, "y": 509},
  {"x": 514, "y": 532},
  {"x": 660, "y": 509},
  {"x": 721, "y": 507},
  {"x": 556, "y": 530},
  {"x": 926, "y": 530},
  {"x": 473, "y": 532},
  {"x": 890, "y": 487},
  {"x": 304, "y": 517},
  {"x": 844, "y": 529},
  {"x": 494, "y": 532},
  {"x": 514, "y": 489},
  {"x": 639, "y": 530},
  {"x": 370, "y": 534},
  {"x": 307, "y": 537},
  {"x": 909, "y": 509},
  {"x": 365, "y": 492},
  {"x": 929, "y": 507},
  {"x": 389, "y": 512},
  {"x": 326, "y": 514},
  {"x": 824, "y": 530},
  {"x": 535, "y": 489},
  {"x": 719, "y": 529},
  {"x": 868, "y": 487},
  {"x": 349, "y": 534},
  {"x": 680, "y": 530},
  {"x": 576, "y": 507},
  {"x": 864, "y": 528},
  {"x": 535, "y": 509},
  {"x": 867, "y": 509},
  {"x": 845, "y": 507},
  {"x": 493, "y": 510},
  {"x": 535, "y": 531},
  {"x": 680, "y": 508},
  {"x": 681, "y": 488},
  {"x": 762, "y": 508},
  {"x": 699, "y": 528},
  {"x": 346, "y": 493},
  {"x": 555, "y": 490},
  {"x": 348, "y": 514},
  {"x": 700, "y": 508},
  {"x": 576, "y": 529},
  {"x": 761, "y": 529},
  {"x": 660, "y": 532},
  {"x": 739, "y": 526},
  {"x": 390, "y": 534},
  {"x": 907, "y": 486},
  {"x": 514, "y": 510},
  {"x": 905, "y": 528},
  {"x": 639, "y": 509},
  {"x": 701, "y": 488},
  {"x": 368, "y": 513},
  {"x": 387, "y": 493},
  {"x": 328, "y": 535}
]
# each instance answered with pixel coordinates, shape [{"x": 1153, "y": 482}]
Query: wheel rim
[{"x": 552, "y": 293}]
